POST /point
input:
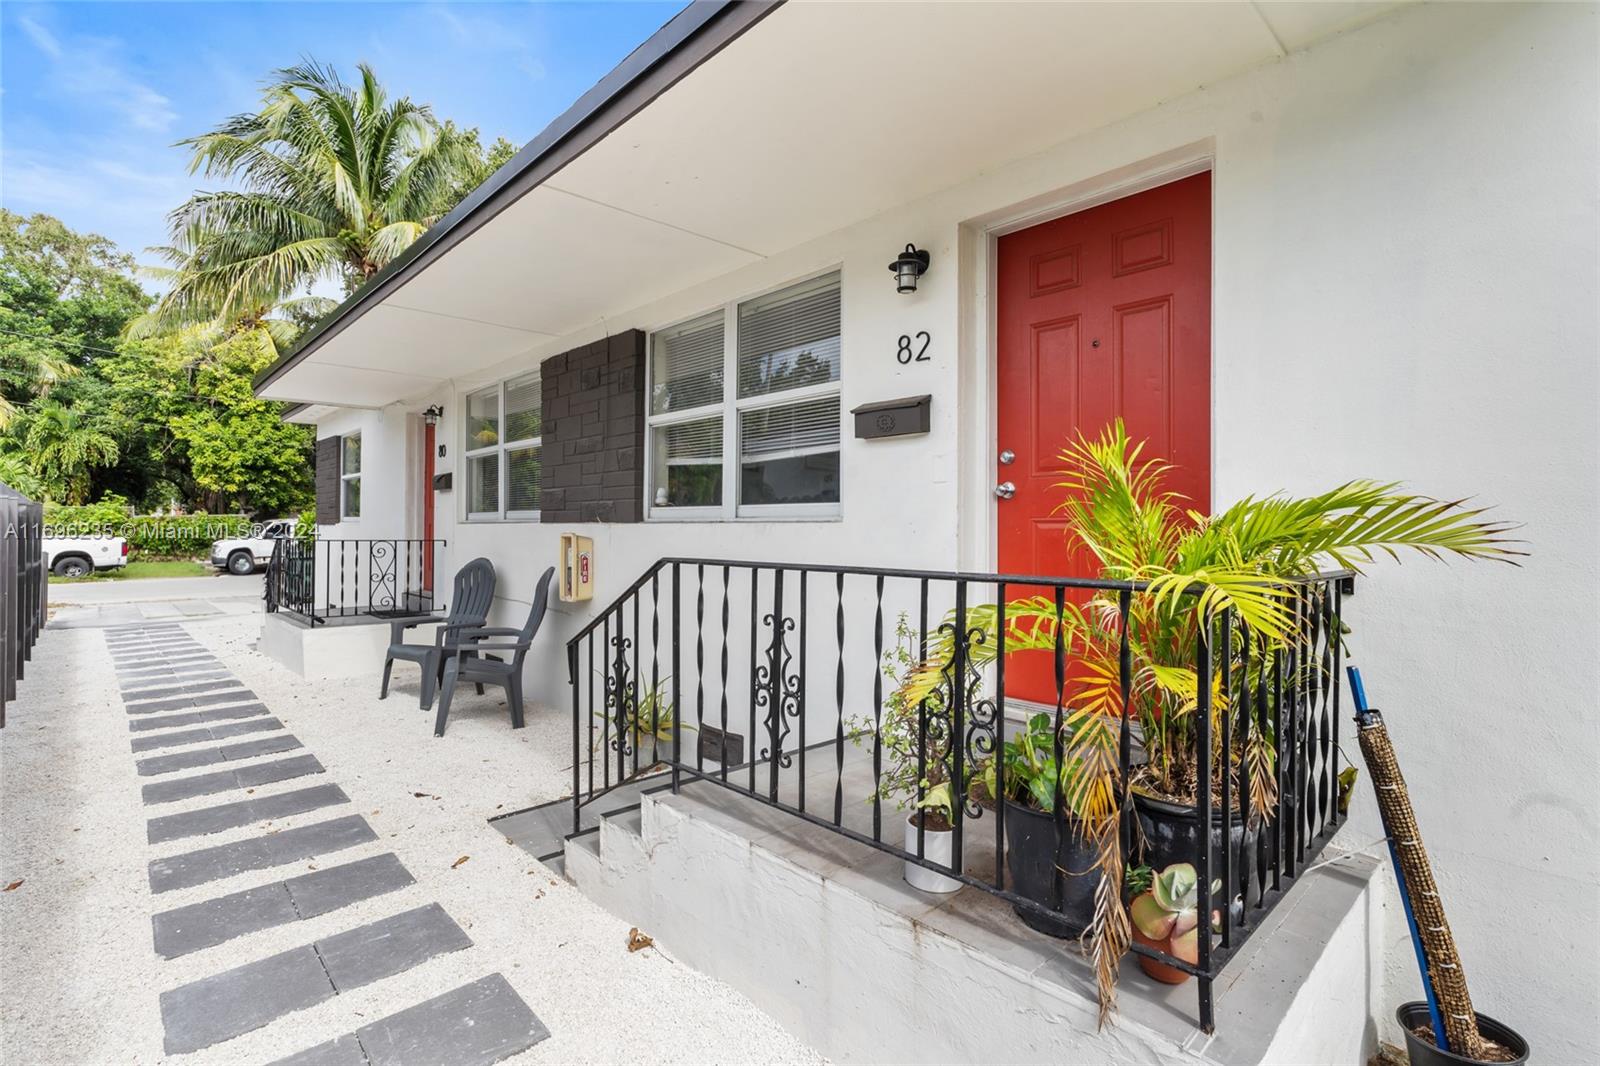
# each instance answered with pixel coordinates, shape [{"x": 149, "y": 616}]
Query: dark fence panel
[
  {"x": 786, "y": 683},
  {"x": 318, "y": 579},
  {"x": 23, "y": 593}
]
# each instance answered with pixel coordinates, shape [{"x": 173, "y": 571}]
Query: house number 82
[{"x": 910, "y": 352}]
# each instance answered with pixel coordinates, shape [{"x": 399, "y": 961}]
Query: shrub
[{"x": 151, "y": 536}]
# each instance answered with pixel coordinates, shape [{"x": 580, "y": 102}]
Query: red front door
[{"x": 1101, "y": 314}]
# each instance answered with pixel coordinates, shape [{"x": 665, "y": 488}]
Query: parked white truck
[
  {"x": 80, "y": 556},
  {"x": 242, "y": 555}
]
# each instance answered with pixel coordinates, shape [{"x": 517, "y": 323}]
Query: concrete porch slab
[{"x": 723, "y": 881}]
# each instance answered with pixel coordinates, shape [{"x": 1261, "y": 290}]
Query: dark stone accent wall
[
  {"x": 327, "y": 481},
  {"x": 593, "y": 449}
]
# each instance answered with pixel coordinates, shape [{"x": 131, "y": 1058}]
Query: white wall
[
  {"x": 1404, "y": 287},
  {"x": 390, "y": 473}
]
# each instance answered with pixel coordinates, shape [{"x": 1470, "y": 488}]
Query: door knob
[
  {"x": 1008, "y": 457},
  {"x": 1005, "y": 490}
]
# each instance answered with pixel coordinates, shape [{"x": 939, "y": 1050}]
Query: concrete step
[
  {"x": 630, "y": 822},
  {"x": 582, "y": 862}
]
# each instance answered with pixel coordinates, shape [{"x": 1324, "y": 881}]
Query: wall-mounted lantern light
[
  {"x": 911, "y": 265},
  {"x": 432, "y": 415}
]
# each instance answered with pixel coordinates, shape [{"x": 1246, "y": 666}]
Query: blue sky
[{"x": 96, "y": 93}]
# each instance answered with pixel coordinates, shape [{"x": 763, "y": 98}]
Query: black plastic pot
[
  {"x": 1422, "y": 1052},
  {"x": 1172, "y": 834},
  {"x": 1031, "y": 858}
]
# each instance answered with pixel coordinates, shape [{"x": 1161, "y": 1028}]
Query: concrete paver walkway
[{"x": 216, "y": 862}]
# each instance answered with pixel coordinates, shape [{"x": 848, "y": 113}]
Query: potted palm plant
[{"x": 1191, "y": 568}]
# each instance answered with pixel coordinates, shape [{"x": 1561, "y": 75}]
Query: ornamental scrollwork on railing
[
  {"x": 982, "y": 735},
  {"x": 778, "y": 666},
  {"x": 980, "y": 717},
  {"x": 381, "y": 577},
  {"x": 621, "y": 697}
]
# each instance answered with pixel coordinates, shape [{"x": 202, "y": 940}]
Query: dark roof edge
[{"x": 693, "y": 36}]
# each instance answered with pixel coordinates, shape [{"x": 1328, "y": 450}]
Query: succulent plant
[{"x": 1169, "y": 911}]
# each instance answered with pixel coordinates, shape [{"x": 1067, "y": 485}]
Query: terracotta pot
[{"x": 1160, "y": 971}]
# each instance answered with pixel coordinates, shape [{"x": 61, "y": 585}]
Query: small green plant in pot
[
  {"x": 914, "y": 736},
  {"x": 1035, "y": 857},
  {"x": 651, "y": 719}
]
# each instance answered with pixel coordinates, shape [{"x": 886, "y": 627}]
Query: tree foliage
[
  {"x": 327, "y": 183},
  {"x": 62, "y": 296},
  {"x": 90, "y": 413},
  {"x": 107, "y": 393}
]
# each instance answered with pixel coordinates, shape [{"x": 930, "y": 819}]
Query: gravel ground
[{"x": 81, "y": 979}]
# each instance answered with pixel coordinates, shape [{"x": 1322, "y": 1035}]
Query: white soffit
[
  {"x": 554, "y": 262},
  {"x": 317, "y": 381},
  {"x": 819, "y": 116},
  {"x": 1301, "y": 23}
]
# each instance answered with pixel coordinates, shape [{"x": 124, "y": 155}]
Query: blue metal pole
[{"x": 1358, "y": 692}]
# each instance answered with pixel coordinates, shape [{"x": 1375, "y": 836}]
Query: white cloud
[
  {"x": 42, "y": 38},
  {"x": 89, "y": 68}
]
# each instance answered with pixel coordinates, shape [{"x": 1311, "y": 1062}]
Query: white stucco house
[{"x": 1291, "y": 244}]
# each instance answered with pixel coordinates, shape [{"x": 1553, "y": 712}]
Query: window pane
[
  {"x": 522, "y": 408},
  {"x": 352, "y": 454},
  {"x": 483, "y": 419},
  {"x": 790, "y": 339},
  {"x": 688, "y": 464},
  {"x": 352, "y": 497},
  {"x": 483, "y": 484},
  {"x": 686, "y": 365},
  {"x": 790, "y": 454},
  {"x": 522, "y": 477}
]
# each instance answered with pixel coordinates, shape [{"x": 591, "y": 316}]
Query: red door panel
[{"x": 1101, "y": 314}]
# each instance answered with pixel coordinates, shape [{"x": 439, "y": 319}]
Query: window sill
[
  {"x": 665, "y": 516},
  {"x": 495, "y": 519}
]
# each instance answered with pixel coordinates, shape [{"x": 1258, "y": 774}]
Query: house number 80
[{"x": 910, "y": 352}]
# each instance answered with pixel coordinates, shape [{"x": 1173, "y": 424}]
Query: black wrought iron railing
[
  {"x": 318, "y": 580},
  {"x": 22, "y": 587},
  {"x": 843, "y": 695}
]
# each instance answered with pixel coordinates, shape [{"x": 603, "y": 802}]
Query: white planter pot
[{"x": 936, "y": 847}]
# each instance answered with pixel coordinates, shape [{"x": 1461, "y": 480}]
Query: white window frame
[
  {"x": 502, "y": 448},
  {"x": 729, "y": 408},
  {"x": 345, "y": 479}
]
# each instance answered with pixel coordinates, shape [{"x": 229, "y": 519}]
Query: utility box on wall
[{"x": 577, "y": 568}]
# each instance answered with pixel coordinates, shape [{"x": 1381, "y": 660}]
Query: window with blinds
[
  {"x": 350, "y": 476},
  {"x": 686, "y": 365},
  {"x": 688, "y": 463},
  {"x": 790, "y": 339},
  {"x": 770, "y": 445},
  {"x": 504, "y": 433}
]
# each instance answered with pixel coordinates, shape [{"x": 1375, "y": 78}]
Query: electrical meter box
[{"x": 577, "y": 568}]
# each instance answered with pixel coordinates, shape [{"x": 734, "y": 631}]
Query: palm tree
[
  {"x": 32, "y": 366},
  {"x": 62, "y": 446},
  {"x": 333, "y": 182}
]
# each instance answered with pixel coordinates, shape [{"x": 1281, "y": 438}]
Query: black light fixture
[
  {"x": 432, "y": 414},
  {"x": 911, "y": 265}
]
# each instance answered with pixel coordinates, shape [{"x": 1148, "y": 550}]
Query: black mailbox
[
  {"x": 442, "y": 482},
  {"x": 893, "y": 418}
]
